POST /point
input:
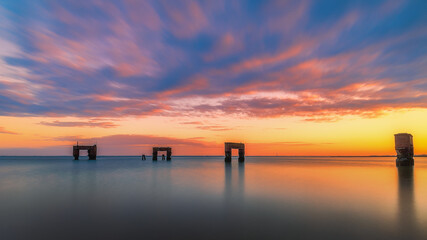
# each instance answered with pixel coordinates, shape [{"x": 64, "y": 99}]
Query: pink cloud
[
  {"x": 369, "y": 99},
  {"x": 187, "y": 19},
  {"x": 138, "y": 144},
  {"x": 141, "y": 12},
  {"x": 19, "y": 90},
  {"x": 226, "y": 45},
  {"x": 93, "y": 45},
  {"x": 285, "y": 15},
  {"x": 4, "y": 131},
  {"x": 209, "y": 127},
  {"x": 91, "y": 123},
  {"x": 192, "y": 123},
  {"x": 119, "y": 52},
  {"x": 194, "y": 83},
  {"x": 258, "y": 62},
  {"x": 130, "y": 42},
  {"x": 318, "y": 73}
]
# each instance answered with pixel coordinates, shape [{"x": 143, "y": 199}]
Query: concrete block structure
[
  {"x": 404, "y": 149},
  {"x": 91, "y": 151},
  {"x": 168, "y": 152},
  {"x": 228, "y": 146}
]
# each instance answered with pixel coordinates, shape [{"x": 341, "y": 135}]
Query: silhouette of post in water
[
  {"x": 91, "y": 151},
  {"x": 405, "y": 149},
  {"x": 228, "y": 146},
  {"x": 143, "y": 157},
  {"x": 168, "y": 152}
]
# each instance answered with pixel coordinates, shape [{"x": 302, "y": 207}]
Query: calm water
[{"x": 203, "y": 198}]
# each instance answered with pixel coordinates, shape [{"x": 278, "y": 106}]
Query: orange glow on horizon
[{"x": 205, "y": 136}]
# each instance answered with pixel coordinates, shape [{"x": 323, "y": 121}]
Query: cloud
[
  {"x": 216, "y": 128},
  {"x": 186, "y": 18},
  {"x": 298, "y": 144},
  {"x": 126, "y": 144},
  {"x": 263, "y": 61},
  {"x": 367, "y": 100},
  {"x": 90, "y": 123},
  {"x": 192, "y": 123},
  {"x": 4, "y": 131},
  {"x": 227, "y": 45},
  {"x": 133, "y": 140},
  {"x": 162, "y": 58},
  {"x": 209, "y": 127}
]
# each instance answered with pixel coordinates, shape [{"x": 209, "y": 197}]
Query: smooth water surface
[{"x": 204, "y": 198}]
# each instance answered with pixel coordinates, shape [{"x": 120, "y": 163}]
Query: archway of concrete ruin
[
  {"x": 159, "y": 149},
  {"x": 228, "y": 146},
  {"x": 91, "y": 151}
]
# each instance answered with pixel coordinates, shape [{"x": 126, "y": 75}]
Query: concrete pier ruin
[
  {"x": 91, "y": 151},
  {"x": 168, "y": 152},
  {"x": 405, "y": 149},
  {"x": 228, "y": 146}
]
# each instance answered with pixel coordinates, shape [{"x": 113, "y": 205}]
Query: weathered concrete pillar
[
  {"x": 241, "y": 155},
  {"x": 92, "y": 152},
  {"x": 169, "y": 154},
  {"x": 228, "y": 156},
  {"x": 154, "y": 154},
  {"x": 404, "y": 149},
  {"x": 76, "y": 153}
]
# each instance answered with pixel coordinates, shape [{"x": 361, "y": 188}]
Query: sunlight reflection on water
[{"x": 203, "y": 197}]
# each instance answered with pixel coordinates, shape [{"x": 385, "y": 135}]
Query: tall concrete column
[
  {"x": 92, "y": 152},
  {"x": 76, "y": 153},
  {"x": 154, "y": 154},
  {"x": 404, "y": 149},
  {"x": 169, "y": 154},
  {"x": 241, "y": 155},
  {"x": 228, "y": 156}
]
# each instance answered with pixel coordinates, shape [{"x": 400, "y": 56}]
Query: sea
[{"x": 191, "y": 197}]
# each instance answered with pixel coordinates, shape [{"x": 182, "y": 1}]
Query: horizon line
[{"x": 417, "y": 155}]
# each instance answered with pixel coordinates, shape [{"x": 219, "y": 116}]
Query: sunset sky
[{"x": 284, "y": 77}]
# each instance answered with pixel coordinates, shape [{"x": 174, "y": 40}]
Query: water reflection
[
  {"x": 407, "y": 223},
  {"x": 263, "y": 198},
  {"x": 161, "y": 181},
  {"x": 83, "y": 179},
  {"x": 234, "y": 188}
]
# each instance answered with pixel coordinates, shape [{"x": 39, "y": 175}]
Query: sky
[{"x": 284, "y": 77}]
